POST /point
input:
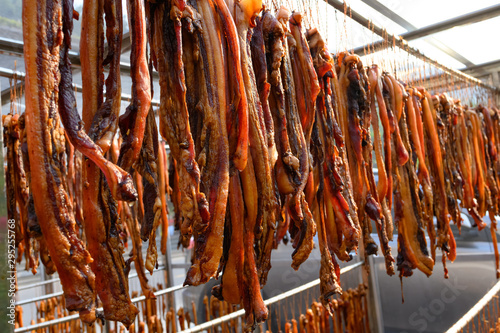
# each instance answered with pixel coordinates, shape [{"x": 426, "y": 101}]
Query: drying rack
[
  {"x": 200, "y": 327},
  {"x": 480, "y": 315},
  {"x": 16, "y": 48}
]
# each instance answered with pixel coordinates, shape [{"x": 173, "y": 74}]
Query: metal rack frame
[
  {"x": 267, "y": 302},
  {"x": 475, "y": 310},
  {"x": 203, "y": 326}
]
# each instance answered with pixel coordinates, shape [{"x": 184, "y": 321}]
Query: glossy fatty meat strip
[
  {"x": 255, "y": 309},
  {"x": 147, "y": 166},
  {"x": 237, "y": 122},
  {"x": 134, "y": 119},
  {"x": 207, "y": 104},
  {"x": 259, "y": 65},
  {"x": 412, "y": 247},
  {"x": 436, "y": 168},
  {"x": 415, "y": 127},
  {"x": 339, "y": 107},
  {"x": 477, "y": 154},
  {"x": 163, "y": 187},
  {"x": 331, "y": 138},
  {"x": 244, "y": 15},
  {"x": 232, "y": 288},
  {"x": 329, "y": 270},
  {"x": 138, "y": 127},
  {"x": 306, "y": 80},
  {"x": 292, "y": 168},
  {"x": 102, "y": 225},
  {"x": 174, "y": 117},
  {"x": 380, "y": 193},
  {"x": 259, "y": 62},
  {"x": 207, "y": 118},
  {"x": 447, "y": 119},
  {"x": 240, "y": 281},
  {"x": 465, "y": 152},
  {"x": 41, "y": 23},
  {"x": 292, "y": 165},
  {"x": 359, "y": 146},
  {"x": 393, "y": 92},
  {"x": 16, "y": 191},
  {"x": 306, "y": 86},
  {"x": 30, "y": 236},
  {"x": 103, "y": 127}
]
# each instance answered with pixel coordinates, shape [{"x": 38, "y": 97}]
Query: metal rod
[
  {"x": 462, "y": 322},
  {"x": 5, "y": 72},
  {"x": 44, "y": 297},
  {"x": 40, "y": 298},
  {"x": 15, "y": 47},
  {"x": 469, "y": 18},
  {"x": 379, "y": 7},
  {"x": 272, "y": 300},
  {"x": 76, "y": 316},
  {"x": 403, "y": 44},
  {"x": 38, "y": 284}
]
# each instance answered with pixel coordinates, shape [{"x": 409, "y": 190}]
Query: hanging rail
[
  {"x": 42, "y": 283},
  {"x": 403, "y": 44},
  {"x": 76, "y": 316},
  {"x": 5, "y": 72},
  {"x": 462, "y": 322},
  {"x": 272, "y": 300}
]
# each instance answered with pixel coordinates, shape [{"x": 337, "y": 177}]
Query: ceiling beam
[
  {"x": 401, "y": 43},
  {"x": 410, "y": 27},
  {"x": 414, "y": 33},
  {"x": 474, "y": 17},
  {"x": 487, "y": 66},
  {"x": 15, "y": 47}
]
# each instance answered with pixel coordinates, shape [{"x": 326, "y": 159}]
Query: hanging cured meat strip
[
  {"x": 257, "y": 49},
  {"x": 381, "y": 192},
  {"x": 174, "y": 116},
  {"x": 102, "y": 128},
  {"x": 163, "y": 187},
  {"x": 298, "y": 58},
  {"x": 412, "y": 247},
  {"x": 147, "y": 166},
  {"x": 134, "y": 118},
  {"x": 244, "y": 15},
  {"x": 42, "y": 23},
  {"x": 102, "y": 225}
]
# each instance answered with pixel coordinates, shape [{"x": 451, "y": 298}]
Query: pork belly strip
[
  {"x": 292, "y": 170},
  {"x": 94, "y": 142},
  {"x": 332, "y": 140},
  {"x": 236, "y": 106},
  {"x": 137, "y": 111},
  {"x": 244, "y": 14},
  {"x": 42, "y": 24},
  {"x": 412, "y": 247},
  {"x": 174, "y": 116},
  {"x": 164, "y": 193},
  {"x": 259, "y": 65},
  {"x": 15, "y": 185},
  {"x": 147, "y": 166},
  {"x": 139, "y": 132},
  {"x": 206, "y": 103},
  {"x": 101, "y": 220}
]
